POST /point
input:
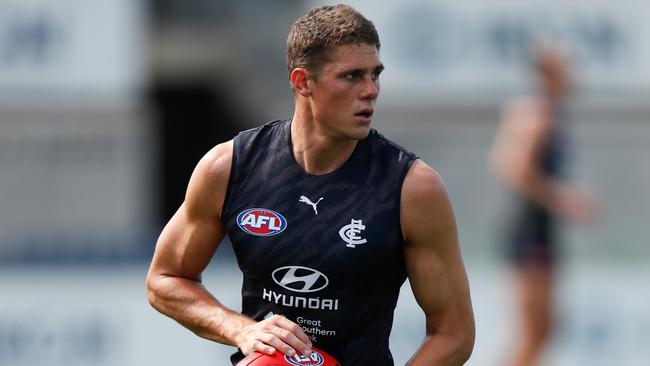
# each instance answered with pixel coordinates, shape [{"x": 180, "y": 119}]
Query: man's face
[{"x": 345, "y": 90}]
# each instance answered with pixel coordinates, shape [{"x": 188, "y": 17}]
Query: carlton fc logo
[
  {"x": 350, "y": 233},
  {"x": 261, "y": 222}
]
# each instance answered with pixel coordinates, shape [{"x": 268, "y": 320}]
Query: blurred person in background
[
  {"x": 327, "y": 219},
  {"x": 529, "y": 156}
]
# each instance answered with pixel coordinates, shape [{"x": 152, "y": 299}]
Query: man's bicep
[
  {"x": 440, "y": 287},
  {"x": 186, "y": 245},
  {"x": 193, "y": 234}
]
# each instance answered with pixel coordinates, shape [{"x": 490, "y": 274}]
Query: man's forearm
[{"x": 191, "y": 305}]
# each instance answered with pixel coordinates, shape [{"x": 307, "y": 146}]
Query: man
[
  {"x": 327, "y": 219},
  {"x": 529, "y": 156}
]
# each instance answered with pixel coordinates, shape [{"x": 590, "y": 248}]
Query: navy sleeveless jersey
[{"x": 326, "y": 251}]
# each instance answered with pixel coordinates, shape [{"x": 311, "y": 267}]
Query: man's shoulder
[
  {"x": 423, "y": 196},
  {"x": 207, "y": 186},
  {"x": 216, "y": 162},
  {"x": 424, "y": 179}
]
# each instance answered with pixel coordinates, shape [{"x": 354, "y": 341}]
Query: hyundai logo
[{"x": 300, "y": 279}]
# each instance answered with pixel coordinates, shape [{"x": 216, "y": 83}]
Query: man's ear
[{"x": 298, "y": 78}]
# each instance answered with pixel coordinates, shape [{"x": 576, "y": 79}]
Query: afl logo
[
  {"x": 261, "y": 222},
  {"x": 316, "y": 359}
]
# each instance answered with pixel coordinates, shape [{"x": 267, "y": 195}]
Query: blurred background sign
[
  {"x": 467, "y": 48},
  {"x": 75, "y": 148},
  {"x": 68, "y": 47}
]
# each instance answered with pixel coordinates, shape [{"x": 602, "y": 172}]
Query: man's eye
[{"x": 351, "y": 76}]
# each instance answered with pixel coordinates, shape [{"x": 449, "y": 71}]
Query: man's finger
[
  {"x": 295, "y": 329},
  {"x": 260, "y": 346},
  {"x": 293, "y": 340},
  {"x": 275, "y": 341}
]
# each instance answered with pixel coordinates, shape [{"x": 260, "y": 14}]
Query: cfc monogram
[{"x": 349, "y": 233}]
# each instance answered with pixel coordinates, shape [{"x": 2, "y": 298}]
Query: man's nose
[{"x": 371, "y": 89}]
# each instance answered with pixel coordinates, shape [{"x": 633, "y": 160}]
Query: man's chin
[{"x": 361, "y": 133}]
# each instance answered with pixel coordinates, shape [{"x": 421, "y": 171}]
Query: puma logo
[{"x": 310, "y": 203}]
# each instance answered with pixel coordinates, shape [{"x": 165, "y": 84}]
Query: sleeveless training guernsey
[{"x": 325, "y": 251}]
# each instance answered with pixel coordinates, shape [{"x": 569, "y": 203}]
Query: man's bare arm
[
  {"x": 184, "y": 250},
  {"x": 435, "y": 270}
]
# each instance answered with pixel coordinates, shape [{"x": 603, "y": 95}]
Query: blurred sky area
[{"x": 105, "y": 108}]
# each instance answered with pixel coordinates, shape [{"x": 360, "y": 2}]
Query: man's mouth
[{"x": 364, "y": 114}]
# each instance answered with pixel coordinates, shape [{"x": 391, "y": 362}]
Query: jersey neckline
[{"x": 286, "y": 133}]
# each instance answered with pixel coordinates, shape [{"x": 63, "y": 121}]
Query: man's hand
[
  {"x": 576, "y": 206},
  {"x": 276, "y": 332}
]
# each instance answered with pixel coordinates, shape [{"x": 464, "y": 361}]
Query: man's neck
[{"x": 315, "y": 151}]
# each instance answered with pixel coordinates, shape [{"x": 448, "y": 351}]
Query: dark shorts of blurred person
[{"x": 532, "y": 239}]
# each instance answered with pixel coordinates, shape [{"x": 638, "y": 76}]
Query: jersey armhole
[
  {"x": 225, "y": 209},
  {"x": 403, "y": 174}
]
